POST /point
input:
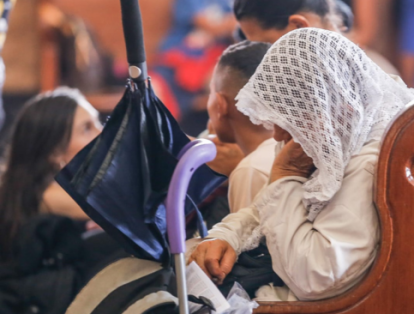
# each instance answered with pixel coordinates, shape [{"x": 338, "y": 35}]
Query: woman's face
[{"x": 85, "y": 128}]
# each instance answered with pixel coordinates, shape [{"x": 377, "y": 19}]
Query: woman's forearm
[{"x": 241, "y": 230}]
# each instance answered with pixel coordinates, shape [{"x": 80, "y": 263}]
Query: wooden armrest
[{"x": 387, "y": 287}]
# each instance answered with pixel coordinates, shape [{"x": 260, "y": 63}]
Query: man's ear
[
  {"x": 222, "y": 105},
  {"x": 298, "y": 21}
]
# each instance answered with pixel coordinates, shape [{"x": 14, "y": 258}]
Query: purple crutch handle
[
  {"x": 187, "y": 147},
  {"x": 195, "y": 155}
]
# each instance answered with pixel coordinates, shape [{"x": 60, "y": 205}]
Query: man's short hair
[
  {"x": 276, "y": 13},
  {"x": 244, "y": 57}
]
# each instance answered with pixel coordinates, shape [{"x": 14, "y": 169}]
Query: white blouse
[
  {"x": 251, "y": 175},
  {"x": 315, "y": 260}
]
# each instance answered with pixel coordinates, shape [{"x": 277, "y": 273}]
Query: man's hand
[
  {"x": 292, "y": 161},
  {"x": 228, "y": 157},
  {"x": 216, "y": 258}
]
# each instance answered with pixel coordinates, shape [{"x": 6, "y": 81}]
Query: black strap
[
  {"x": 172, "y": 308},
  {"x": 123, "y": 297},
  {"x": 201, "y": 226},
  {"x": 206, "y": 303}
]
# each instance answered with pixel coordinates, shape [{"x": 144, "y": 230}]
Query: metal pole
[
  {"x": 181, "y": 283},
  {"x": 192, "y": 156}
]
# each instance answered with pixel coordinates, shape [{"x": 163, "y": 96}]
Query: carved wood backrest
[{"x": 387, "y": 289}]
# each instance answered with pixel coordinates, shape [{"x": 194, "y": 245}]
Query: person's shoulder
[
  {"x": 52, "y": 191},
  {"x": 365, "y": 160},
  {"x": 370, "y": 150},
  {"x": 262, "y": 158},
  {"x": 58, "y": 202},
  {"x": 54, "y": 197}
]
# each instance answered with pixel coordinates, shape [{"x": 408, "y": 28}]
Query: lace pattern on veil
[{"x": 332, "y": 99}]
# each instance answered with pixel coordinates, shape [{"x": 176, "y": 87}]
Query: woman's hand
[
  {"x": 292, "y": 161},
  {"x": 216, "y": 258}
]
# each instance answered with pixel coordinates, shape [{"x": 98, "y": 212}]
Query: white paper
[{"x": 198, "y": 284}]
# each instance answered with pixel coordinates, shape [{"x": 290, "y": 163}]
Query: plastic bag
[{"x": 240, "y": 302}]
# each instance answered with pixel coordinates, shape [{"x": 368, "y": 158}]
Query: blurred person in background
[
  {"x": 407, "y": 41},
  {"x": 374, "y": 30},
  {"x": 375, "y": 25},
  {"x": 50, "y": 130},
  {"x": 201, "y": 31},
  {"x": 5, "y": 8},
  {"x": 47, "y": 47},
  {"x": 268, "y": 20},
  {"x": 82, "y": 62}
]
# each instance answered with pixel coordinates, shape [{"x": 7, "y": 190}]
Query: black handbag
[{"x": 252, "y": 270}]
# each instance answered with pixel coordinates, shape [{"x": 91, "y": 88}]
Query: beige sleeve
[
  {"x": 241, "y": 230},
  {"x": 244, "y": 184}
]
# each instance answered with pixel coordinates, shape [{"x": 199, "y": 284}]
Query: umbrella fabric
[{"x": 121, "y": 179}]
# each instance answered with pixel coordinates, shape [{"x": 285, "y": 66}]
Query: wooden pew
[{"x": 387, "y": 289}]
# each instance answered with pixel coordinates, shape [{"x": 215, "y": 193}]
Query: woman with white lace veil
[{"x": 329, "y": 105}]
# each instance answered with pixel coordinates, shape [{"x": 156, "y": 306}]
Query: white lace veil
[{"x": 332, "y": 99}]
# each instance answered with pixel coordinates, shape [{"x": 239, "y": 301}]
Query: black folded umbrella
[{"x": 121, "y": 179}]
